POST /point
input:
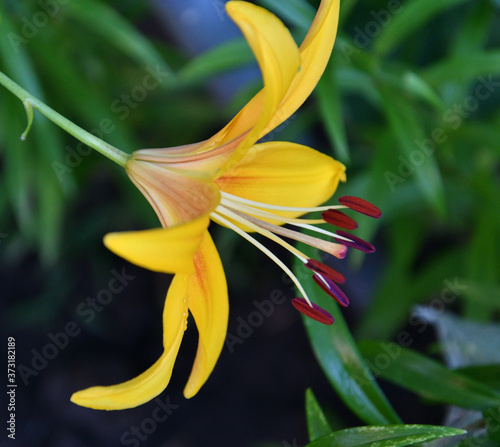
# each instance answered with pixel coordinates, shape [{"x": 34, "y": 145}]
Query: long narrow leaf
[
  {"x": 407, "y": 19},
  {"x": 385, "y": 436},
  {"x": 330, "y": 108},
  {"x": 340, "y": 360},
  {"x": 426, "y": 377},
  {"x": 47, "y": 190},
  {"x": 317, "y": 425},
  {"x": 416, "y": 155},
  {"x": 486, "y": 374},
  {"x": 229, "y": 55},
  {"x": 469, "y": 67},
  {"x": 297, "y": 12},
  {"x": 105, "y": 21}
]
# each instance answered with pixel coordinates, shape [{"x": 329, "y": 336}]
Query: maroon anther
[
  {"x": 355, "y": 242},
  {"x": 339, "y": 219},
  {"x": 361, "y": 206},
  {"x": 332, "y": 289},
  {"x": 324, "y": 270},
  {"x": 315, "y": 312}
]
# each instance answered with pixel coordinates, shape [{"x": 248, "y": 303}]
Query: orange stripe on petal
[
  {"x": 177, "y": 195},
  {"x": 208, "y": 302}
]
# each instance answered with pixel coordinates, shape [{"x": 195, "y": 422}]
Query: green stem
[{"x": 92, "y": 141}]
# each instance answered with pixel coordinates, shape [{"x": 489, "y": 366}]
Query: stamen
[
  {"x": 278, "y": 207},
  {"x": 339, "y": 219},
  {"x": 314, "y": 311},
  {"x": 356, "y": 242},
  {"x": 251, "y": 223},
  {"x": 337, "y": 250},
  {"x": 266, "y": 214},
  {"x": 325, "y": 270},
  {"x": 361, "y": 206},
  {"x": 328, "y": 286},
  {"x": 219, "y": 219},
  {"x": 316, "y": 229}
]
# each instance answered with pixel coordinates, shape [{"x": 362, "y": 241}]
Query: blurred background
[{"x": 409, "y": 103}]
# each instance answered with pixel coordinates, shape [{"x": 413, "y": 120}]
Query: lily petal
[
  {"x": 167, "y": 250},
  {"x": 176, "y": 194},
  {"x": 315, "y": 52},
  {"x": 279, "y": 61},
  {"x": 153, "y": 381},
  {"x": 286, "y": 174},
  {"x": 208, "y": 302}
]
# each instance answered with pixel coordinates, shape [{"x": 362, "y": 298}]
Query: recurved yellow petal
[
  {"x": 315, "y": 52},
  {"x": 279, "y": 61},
  {"x": 153, "y": 381},
  {"x": 287, "y": 174},
  {"x": 167, "y": 250},
  {"x": 208, "y": 302}
]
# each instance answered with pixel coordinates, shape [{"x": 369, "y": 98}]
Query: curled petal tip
[
  {"x": 315, "y": 312},
  {"x": 361, "y": 206}
]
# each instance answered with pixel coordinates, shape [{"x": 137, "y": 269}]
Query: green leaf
[
  {"x": 482, "y": 258},
  {"x": 95, "y": 108},
  {"x": 317, "y": 425},
  {"x": 107, "y": 23},
  {"x": 226, "y": 56},
  {"x": 405, "y": 125},
  {"x": 339, "y": 358},
  {"x": 492, "y": 418},
  {"x": 426, "y": 377},
  {"x": 474, "y": 31},
  {"x": 31, "y": 163},
  {"x": 345, "y": 10},
  {"x": 415, "y": 85},
  {"x": 297, "y": 12},
  {"x": 330, "y": 108},
  {"x": 407, "y": 19},
  {"x": 385, "y": 436},
  {"x": 17, "y": 166},
  {"x": 482, "y": 292},
  {"x": 465, "y": 68},
  {"x": 488, "y": 375}
]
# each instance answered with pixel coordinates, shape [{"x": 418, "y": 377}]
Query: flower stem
[{"x": 90, "y": 140}]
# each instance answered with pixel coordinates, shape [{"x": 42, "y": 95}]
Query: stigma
[{"x": 247, "y": 216}]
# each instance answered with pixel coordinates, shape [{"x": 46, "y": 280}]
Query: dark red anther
[
  {"x": 339, "y": 219},
  {"x": 324, "y": 270},
  {"x": 332, "y": 289},
  {"x": 315, "y": 312},
  {"x": 355, "y": 242},
  {"x": 361, "y": 206}
]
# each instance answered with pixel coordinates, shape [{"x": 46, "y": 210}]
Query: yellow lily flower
[{"x": 241, "y": 185}]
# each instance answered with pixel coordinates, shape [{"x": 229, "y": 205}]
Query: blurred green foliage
[{"x": 409, "y": 102}]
